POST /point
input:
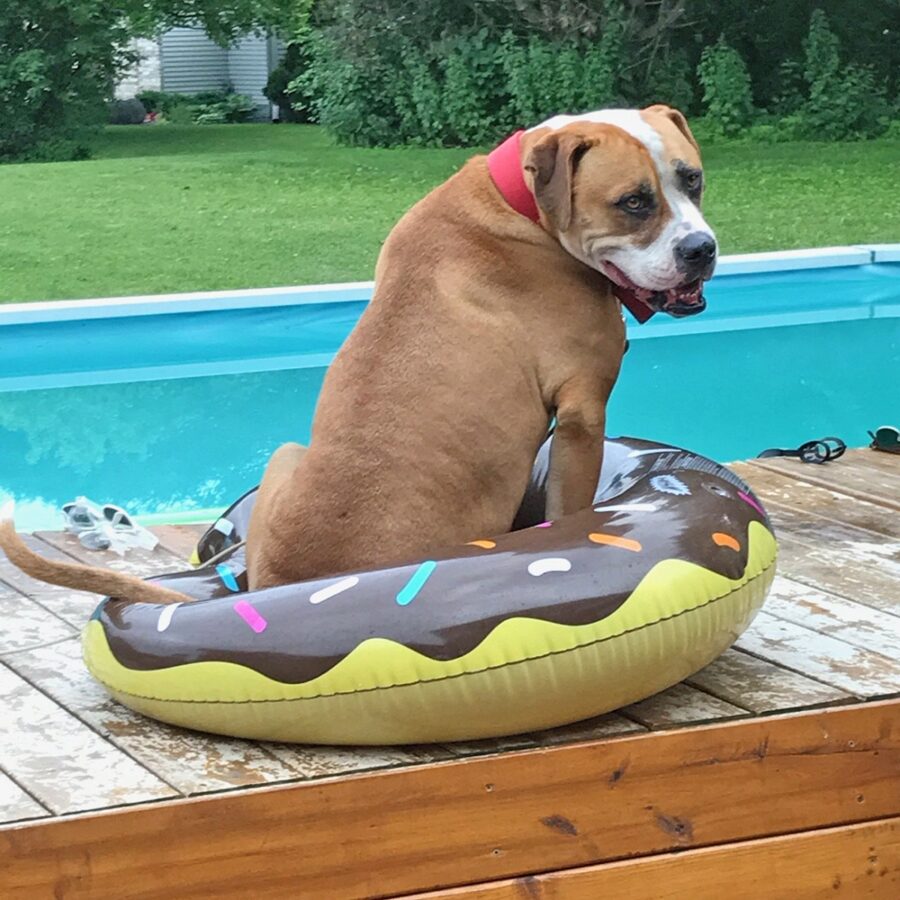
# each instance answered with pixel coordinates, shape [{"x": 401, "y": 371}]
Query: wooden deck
[{"x": 779, "y": 764}]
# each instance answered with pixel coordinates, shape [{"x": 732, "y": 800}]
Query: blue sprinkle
[
  {"x": 227, "y": 577},
  {"x": 416, "y": 583}
]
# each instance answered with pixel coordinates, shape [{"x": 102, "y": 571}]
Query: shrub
[
  {"x": 844, "y": 102},
  {"x": 226, "y": 107},
  {"x": 162, "y": 102},
  {"x": 669, "y": 81},
  {"x": 790, "y": 96},
  {"x": 205, "y": 108},
  {"x": 471, "y": 98},
  {"x": 427, "y": 76},
  {"x": 56, "y": 63},
  {"x": 126, "y": 112},
  {"x": 294, "y": 62},
  {"x": 726, "y": 87}
]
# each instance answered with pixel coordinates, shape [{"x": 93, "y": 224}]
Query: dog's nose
[{"x": 696, "y": 253}]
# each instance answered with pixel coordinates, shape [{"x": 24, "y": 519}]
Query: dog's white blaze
[{"x": 653, "y": 266}]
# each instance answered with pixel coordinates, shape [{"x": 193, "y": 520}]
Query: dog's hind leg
[{"x": 281, "y": 467}]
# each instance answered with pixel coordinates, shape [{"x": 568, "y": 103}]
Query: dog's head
[{"x": 621, "y": 189}]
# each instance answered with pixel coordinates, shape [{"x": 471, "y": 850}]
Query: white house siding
[
  {"x": 249, "y": 64},
  {"x": 144, "y": 75},
  {"x": 190, "y": 62}
]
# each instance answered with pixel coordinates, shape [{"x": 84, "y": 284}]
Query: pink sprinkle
[
  {"x": 544, "y": 525},
  {"x": 748, "y": 499},
  {"x": 250, "y": 616}
]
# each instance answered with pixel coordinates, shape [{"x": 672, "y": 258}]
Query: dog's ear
[
  {"x": 551, "y": 163},
  {"x": 676, "y": 117}
]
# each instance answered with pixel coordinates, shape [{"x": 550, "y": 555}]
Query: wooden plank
[
  {"x": 466, "y": 821},
  {"x": 26, "y": 623},
  {"x": 865, "y": 581},
  {"x": 853, "y": 623},
  {"x": 859, "y": 672},
  {"x": 598, "y": 728},
  {"x": 136, "y": 561},
  {"x": 189, "y": 761},
  {"x": 849, "y": 861},
  {"x": 16, "y": 804},
  {"x": 60, "y": 761},
  {"x": 762, "y": 686},
  {"x": 179, "y": 540},
  {"x": 886, "y": 462},
  {"x": 321, "y": 762},
  {"x": 682, "y": 705},
  {"x": 838, "y": 537},
  {"x": 874, "y": 486},
  {"x": 784, "y": 490},
  {"x": 74, "y": 607}
]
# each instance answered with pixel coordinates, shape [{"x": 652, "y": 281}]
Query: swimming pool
[{"x": 171, "y": 406}]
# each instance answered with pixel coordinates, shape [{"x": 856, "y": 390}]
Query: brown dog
[{"x": 494, "y": 310}]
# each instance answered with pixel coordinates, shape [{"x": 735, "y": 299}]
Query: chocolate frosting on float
[{"x": 701, "y": 514}]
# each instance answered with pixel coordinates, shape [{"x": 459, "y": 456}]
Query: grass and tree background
[{"x": 794, "y": 101}]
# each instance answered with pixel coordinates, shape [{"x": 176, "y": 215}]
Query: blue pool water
[{"x": 776, "y": 360}]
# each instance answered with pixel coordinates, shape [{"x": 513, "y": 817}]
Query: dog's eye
[
  {"x": 633, "y": 202},
  {"x": 638, "y": 204},
  {"x": 692, "y": 181}
]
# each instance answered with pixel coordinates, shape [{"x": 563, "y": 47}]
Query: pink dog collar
[{"x": 505, "y": 167}]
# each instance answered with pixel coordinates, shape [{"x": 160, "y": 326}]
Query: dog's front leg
[{"x": 576, "y": 452}]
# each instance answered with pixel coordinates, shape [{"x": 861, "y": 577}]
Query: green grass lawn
[{"x": 174, "y": 208}]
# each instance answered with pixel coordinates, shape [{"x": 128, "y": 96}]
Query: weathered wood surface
[
  {"x": 28, "y": 624},
  {"x": 179, "y": 540},
  {"x": 839, "y": 571},
  {"x": 764, "y": 687},
  {"x": 137, "y": 561},
  {"x": 74, "y": 607},
  {"x": 477, "y": 820},
  {"x": 835, "y": 662},
  {"x": 828, "y": 539},
  {"x": 847, "y": 863},
  {"x": 853, "y": 474},
  {"x": 778, "y": 490},
  {"x": 829, "y": 614},
  {"x": 682, "y": 705},
  {"x": 60, "y": 761},
  {"x": 610, "y": 725},
  {"x": 16, "y": 804}
]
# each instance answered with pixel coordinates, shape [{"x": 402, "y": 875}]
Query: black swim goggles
[{"x": 821, "y": 451}]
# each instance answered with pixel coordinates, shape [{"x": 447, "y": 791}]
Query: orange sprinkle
[
  {"x": 615, "y": 541},
  {"x": 726, "y": 540},
  {"x": 485, "y": 545}
]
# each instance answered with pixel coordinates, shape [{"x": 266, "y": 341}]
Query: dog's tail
[{"x": 75, "y": 575}]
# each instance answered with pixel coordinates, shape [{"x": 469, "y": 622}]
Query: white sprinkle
[
  {"x": 165, "y": 617},
  {"x": 549, "y": 564},
  {"x": 654, "y": 450},
  {"x": 627, "y": 507},
  {"x": 333, "y": 590}
]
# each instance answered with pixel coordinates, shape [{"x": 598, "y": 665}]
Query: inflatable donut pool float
[{"x": 548, "y": 624}]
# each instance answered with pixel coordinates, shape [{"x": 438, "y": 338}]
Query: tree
[
  {"x": 60, "y": 58},
  {"x": 726, "y": 87}
]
